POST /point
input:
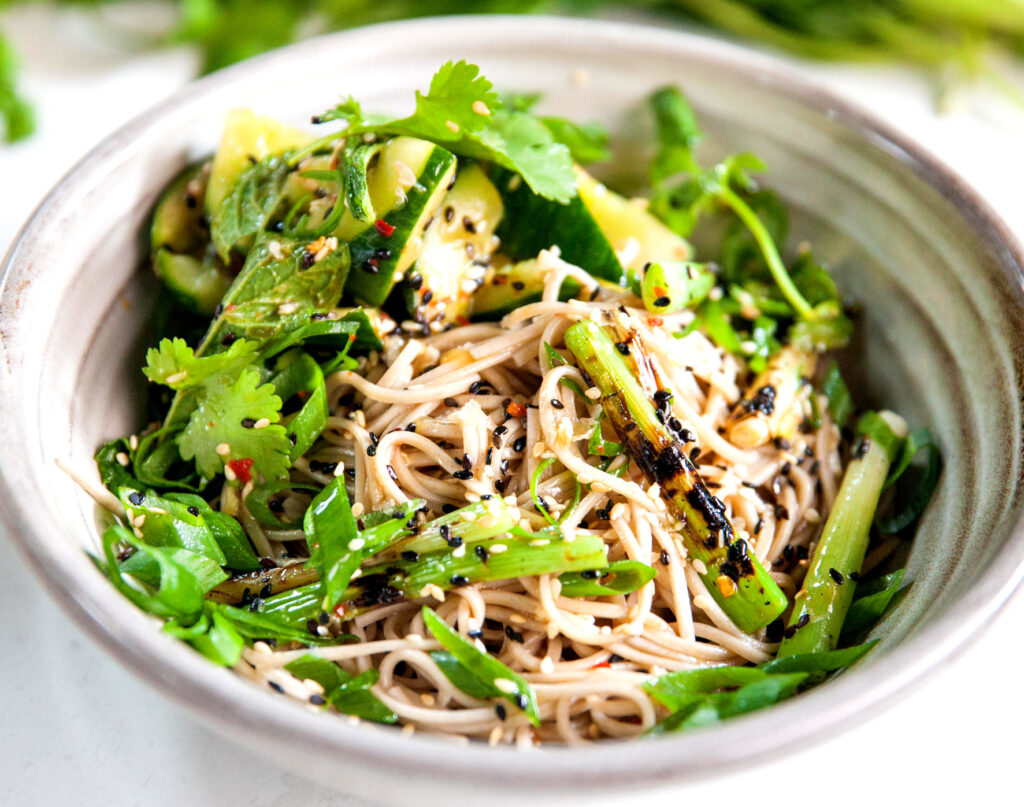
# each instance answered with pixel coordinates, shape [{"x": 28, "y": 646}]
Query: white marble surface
[{"x": 77, "y": 729}]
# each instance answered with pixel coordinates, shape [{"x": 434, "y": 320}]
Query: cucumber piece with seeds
[
  {"x": 457, "y": 246},
  {"x": 182, "y": 255}
]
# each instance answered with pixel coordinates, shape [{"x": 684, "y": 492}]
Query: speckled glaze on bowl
[{"x": 940, "y": 340}]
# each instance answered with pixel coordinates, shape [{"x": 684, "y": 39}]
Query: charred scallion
[{"x": 732, "y": 574}]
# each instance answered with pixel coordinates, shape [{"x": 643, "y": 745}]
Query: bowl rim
[{"x": 228, "y": 703}]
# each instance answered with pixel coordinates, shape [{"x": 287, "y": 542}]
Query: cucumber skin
[
  {"x": 372, "y": 288},
  {"x": 532, "y": 224}
]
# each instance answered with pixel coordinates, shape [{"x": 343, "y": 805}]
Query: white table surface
[{"x": 77, "y": 729}]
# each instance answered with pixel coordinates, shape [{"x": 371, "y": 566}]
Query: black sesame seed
[
  {"x": 773, "y": 633},
  {"x": 192, "y": 510},
  {"x": 428, "y": 295},
  {"x": 248, "y": 423},
  {"x": 463, "y": 474},
  {"x": 410, "y": 556},
  {"x": 500, "y": 711},
  {"x": 836, "y": 575},
  {"x": 276, "y": 687},
  {"x": 415, "y": 282},
  {"x": 521, "y": 701},
  {"x": 448, "y": 508},
  {"x": 622, "y": 347},
  {"x": 449, "y": 213},
  {"x": 664, "y": 558},
  {"x": 475, "y": 634},
  {"x": 458, "y": 580},
  {"x": 266, "y": 591},
  {"x": 481, "y": 552},
  {"x": 513, "y": 634},
  {"x": 519, "y": 444},
  {"x": 662, "y": 301},
  {"x": 391, "y": 473},
  {"x": 557, "y": 403},
  {"x": 136, "y": 497},
  {"x": 371, "y": 450},
  {"x": 450, "y": 402},
  {"x": 518, "y": 285},
  {"x": 317, "y": 700},
  {"x": 803, "y": 620},
  {"x": 474, "y": 388}
]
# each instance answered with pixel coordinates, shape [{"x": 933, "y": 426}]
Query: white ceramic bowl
[{"x": 940, "y": 340}]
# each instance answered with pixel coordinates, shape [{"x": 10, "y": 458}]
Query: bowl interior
[{"x": 939, "y": 340}]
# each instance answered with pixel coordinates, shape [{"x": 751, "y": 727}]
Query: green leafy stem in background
[{"x": 931, "y": 33}]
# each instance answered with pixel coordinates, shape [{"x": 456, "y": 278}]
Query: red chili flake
[
  {"x": 303, "y": 394},
  {"x": 384, "y": 228},
  {"x": 660, "y": 292},
  {"x": 231, "y": 307},
  {"x": 340, "y": 611},
  {"x": 351, "y": 337},
  {"x": 461, "y": 320},
  {"x": 242, "y": 469},
  {"x": 600, "y": 664},
  {"x": 515, "y": 409},
  {"x": 654, "y": 322}
]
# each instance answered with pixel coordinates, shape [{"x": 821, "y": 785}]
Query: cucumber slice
[
  {"x": 457, "y": 246},
  {"x": 181, "y": 252},
  {"x": 407, "y": 184},
  {"x": 246, "y": 137},
  {"x": 198, "y": 282},
  {"x": 609, "y": 236},
  {"x": 637, "y": 237},
  {"x": 506, "y": 288}
]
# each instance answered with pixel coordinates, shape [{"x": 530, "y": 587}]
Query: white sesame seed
[
  {"x": 339, "y": 469},
  {"x": 356, "y": 544},
  {"x": 495, "y": 736},
  {"x": 547, "y": 666},
  {"x": 176, "y": 378},
  {"x": 497, "y": 549},
  {"x": 459, "y": 551},
  {"x": 427, "y": 699},
  {"x": 480, "y": 108},
  {"x": 262, "y": 423},
  {"x": 133, "y": 442},
  {"x": 288, "y": 308},
  {"x": 432, "y": 590},
  {"x": 139, "y": 520},
  {"x": 223, "y": 449},
  {"x": 593, "y": 393},
  {"x": 229, "y": 474},
  {"x": 452, "y": 125},
  {"x": 121, "y": 457},
  {"x": 357, "y": 509},
  {"x": 539, "y": 542},
  {"x": 699, "y": 567},
  {"x": 517, "y": 619},
  {"x": 274, "y": 248},
  {"x": 505, "y": 685}
]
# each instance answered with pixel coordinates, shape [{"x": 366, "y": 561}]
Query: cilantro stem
[{"x": 769, "y": 250}]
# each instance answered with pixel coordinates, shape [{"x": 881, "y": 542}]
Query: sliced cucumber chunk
[
  {"x": 506, "y": 288},
  {"x": 247, "y": 137},
  {"x": 637, "y": 237},
  {"x": 181, "y": 251},
  {"x": 407, "y": 184},
  {"x": 609, "y": 236},
  {"x": 457, "y": 246}
]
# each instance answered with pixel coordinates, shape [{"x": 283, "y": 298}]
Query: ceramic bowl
[{"x": 940, "y": 340}]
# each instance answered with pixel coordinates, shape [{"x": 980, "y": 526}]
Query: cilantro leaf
[
  {"x": 462, "y": 112},
  {"x": 174, "y": 364},
  {"x": 217, "y": 421}
]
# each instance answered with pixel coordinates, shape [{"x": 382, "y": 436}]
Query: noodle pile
[{"x": 432, "y": 405}]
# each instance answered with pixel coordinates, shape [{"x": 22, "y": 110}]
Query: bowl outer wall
[{"x": 322, "y": 747}]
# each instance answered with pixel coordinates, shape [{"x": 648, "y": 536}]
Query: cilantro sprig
[{"x": 462, "y": 112}]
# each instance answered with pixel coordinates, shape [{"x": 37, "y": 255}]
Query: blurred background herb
[{"x": 951, "y": 38}]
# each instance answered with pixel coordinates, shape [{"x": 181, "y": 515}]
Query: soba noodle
[{"x": 428, "y": 406}]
